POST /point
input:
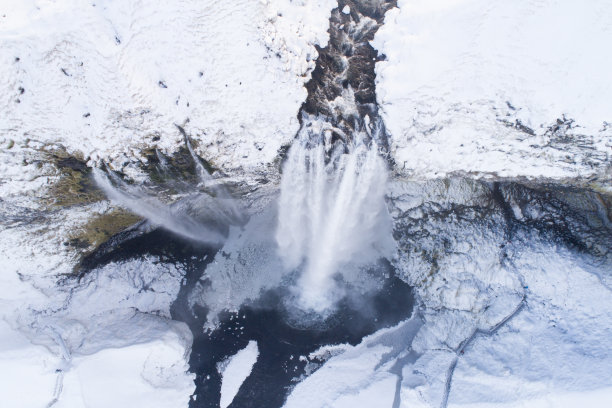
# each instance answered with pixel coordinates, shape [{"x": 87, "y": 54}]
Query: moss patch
[
  {"x": 100, "y": 228},
  {"x": 73, "y": 188},
  {"x": 75, "y": 185}
]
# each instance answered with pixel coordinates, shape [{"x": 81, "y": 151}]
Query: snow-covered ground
[
  {"x": 520, "y": 323},
  {"x": 475, "y": 86},
  {"x": 73, "y": 342},
  {"x": 110, "y": 78},
  {"x": 487, "y": 88}
]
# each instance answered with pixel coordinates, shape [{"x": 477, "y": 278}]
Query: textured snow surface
[
  {"x": 107, "y": 78},
  {"x": 151, "y": 373},
  {"x": 235, "y": 370},
  {"x": 73, "y": 342},
  {"x": 360, "y": 376},
  {"x": 58, "y": 335},
  {"x": 552, "y": 348},
  {"x": 469, "y": 86},
  {"x": 464, "y": 78}
]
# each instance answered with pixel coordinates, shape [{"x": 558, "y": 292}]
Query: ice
[
  {"x": 56, "y": 334},
  {"x": 106, "y": 81},
  {"x": 235, "y": 370},
  {"x": 468, "y": 86},
  {"x": 356, "y": 374},
  {"x": 549, "y": 352}
]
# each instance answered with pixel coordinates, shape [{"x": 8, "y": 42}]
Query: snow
[
  {"x": 235, "y": 370},
  {"x": 461, "y": 74},
  {"x": 72, "y": 342},
  {"x": 553, "y": 347},
  {"x": 106, "y": 78},
  {"x": 149, "y": 374},
  {"x": 360, "y": 375},
  {"x": 553, "y": 352},
  {"x": 379, "y": 393},
  {"x": 27, "y": 378},
  {"x": 56, "y": 333},
  {"x": 593, "y": 398},
  {"x": 343, "y": 378}
]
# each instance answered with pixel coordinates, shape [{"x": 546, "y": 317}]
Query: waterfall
[
  {"x": 202, "y": 214},
  {"x": 332, "y": 211}
]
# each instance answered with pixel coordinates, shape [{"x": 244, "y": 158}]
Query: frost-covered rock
[
  {"x": 108, "y": 81},
  {"x": 511, "y": 314},
  {"x": 512, "y": 281}
]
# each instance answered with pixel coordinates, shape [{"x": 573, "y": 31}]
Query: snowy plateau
[{"x": 305, "y": 203}]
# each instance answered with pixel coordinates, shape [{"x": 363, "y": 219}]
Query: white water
[{"x": 332, "y": 216}]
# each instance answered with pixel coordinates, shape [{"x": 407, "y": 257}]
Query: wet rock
[
  {"x": 347, "y": 60},
  {"x": 72, "y": 163}
]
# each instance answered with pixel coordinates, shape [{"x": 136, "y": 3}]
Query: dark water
[
  {"x": 281, "y": 336},
  {"x": 281, "y": 342}
]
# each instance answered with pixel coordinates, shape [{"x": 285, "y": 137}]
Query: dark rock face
[
  {"x": 72, "y": 163},
  {"x": 283, "y": 342},
  {"x": 577, "y": 218},
  {"x": 498, "y": 213},
  {"x": 501, "y": 214}
]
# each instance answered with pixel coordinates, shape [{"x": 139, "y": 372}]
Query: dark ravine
[
  {"x": 574, "y": 218},
  {"x": 266, "y": 321},
  {"x": 346, "y": 68},
  {"x": 282, "y": 346},
  {"x": 348, "y": 61}
]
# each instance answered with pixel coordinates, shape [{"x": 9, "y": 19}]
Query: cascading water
[
  {"x": 173, "y": 218},
  {"x": 332, "y": 211}
]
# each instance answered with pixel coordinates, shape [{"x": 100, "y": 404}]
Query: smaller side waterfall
[
  {"x": 332, "y": 212},
  {"x": 202, "y": 214}
]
